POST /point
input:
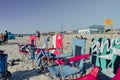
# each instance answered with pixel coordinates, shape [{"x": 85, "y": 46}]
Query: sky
[{"x": 27, "y": 16}]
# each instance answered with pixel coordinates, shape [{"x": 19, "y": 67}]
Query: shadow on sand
[{"x": 25, "y": 75}]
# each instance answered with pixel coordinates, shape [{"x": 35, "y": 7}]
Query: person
[
  {"x": 1, "y": 37},
  {"x": 81, "y": 37},
  {"x": 77, "y": 37},
  {"x": 5, "y": 40},
  {"x": 38, "y": 34}
]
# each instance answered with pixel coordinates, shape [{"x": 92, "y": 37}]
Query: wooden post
[
  {"x": 111, "y": 30},
  {"x": 104, "y": 31}
]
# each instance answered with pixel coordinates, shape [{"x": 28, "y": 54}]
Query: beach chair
[
  {"x": 113, "y": 72},
  {"x": 4, "y": 73},
  {"x": 32, "y": 46},
  {"x": 91, "y": 76},
  {"x": 29, "y": 47},
  {"x": 32, "y": 40},
  {"x": 57, "y": 42},
  {"x": 117, "y": 76},
  {"x": 24, "y": 52},
  {"x": 108, "y": 64},
  {"x": 78, "y": 47},
  {"x": 68, "y": 66},
  {"x": 26, "y": 48},
  {"x": 97, "y": 74},
  {"x": 27, "y": 51}
]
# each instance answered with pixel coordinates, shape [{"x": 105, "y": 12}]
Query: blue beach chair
[
  {"x": 4, "y": 73},
  {"x": 67, "y": 67},
  {"x": 78, "y": 48}
]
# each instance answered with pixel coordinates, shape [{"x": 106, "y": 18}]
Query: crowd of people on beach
[{"x": 4, "y": 37}]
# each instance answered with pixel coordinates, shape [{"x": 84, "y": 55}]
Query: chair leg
[
  {"x": 52, "y": 78},
  {"x": 76, "y": 76},
  {"x": 69, "y": 77},
  {"x": 60, "y": 68},
  {"x": 72, "y": 76},
  {"x": 83, "y": 73}
]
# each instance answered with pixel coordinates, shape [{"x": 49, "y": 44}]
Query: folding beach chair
[
  {"x": 91, "y": 76},
  {"x": 27, "y": 51},
  {"x": 66, "y": 70},
  {"x": 113, "y": 72},
  {"x": 4, "y": 73},
  {"x": 32, "y": 46},
  {"x": 32, "y": 40},
  {"x": 117, "y": 75},
  {"x": 78, "y": 47},
  {"x": 96, "y": 73},
  {"x": 68, "y": 66},
  {"x": 57, "y": 42},
  {"x": 104, "y": 59},
  {"x": 24, "y": 53}
]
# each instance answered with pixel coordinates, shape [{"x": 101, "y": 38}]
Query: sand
[{"x": 26, "y": 71}]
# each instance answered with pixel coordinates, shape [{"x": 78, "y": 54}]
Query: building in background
[
  {"x": 84, "y": 31},
  {"x": 75, "y": 31},
  {"x": 92, "y": 29}
]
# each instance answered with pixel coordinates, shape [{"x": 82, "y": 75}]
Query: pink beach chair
[
  {"x": 32, "y": 40},
  {"x": 117, "y": 76},
  {"x": 91, "y": 76},
  {"x": 25, "y": 49}
]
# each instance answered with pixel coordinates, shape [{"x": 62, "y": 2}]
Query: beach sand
[{"x": 24, "y": 71}]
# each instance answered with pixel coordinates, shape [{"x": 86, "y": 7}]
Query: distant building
[
  {"x": 96, "y": 29},
  {"x": 75, "y": 31},
  {"x": 92, "y": 29},
  {"x": 84, "y": 31}
]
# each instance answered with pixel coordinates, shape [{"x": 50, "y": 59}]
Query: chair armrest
[
  {"x": 66, "y": 60},
  {"x": 63, "y": 55},
  {"x": 73, "y": 59},
  {"x": 53, "y": 49}
]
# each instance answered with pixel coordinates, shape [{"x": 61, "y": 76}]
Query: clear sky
[{"x": 25, "y": 16}]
